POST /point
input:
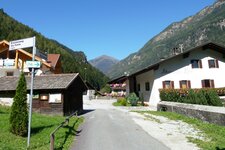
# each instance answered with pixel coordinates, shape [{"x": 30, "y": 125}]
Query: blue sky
[{"x": 113, "y": 27}]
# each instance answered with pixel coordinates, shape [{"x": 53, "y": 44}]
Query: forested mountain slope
[
  {"x": 207, "y": 25},
  {"x": 72, "y": 61}
]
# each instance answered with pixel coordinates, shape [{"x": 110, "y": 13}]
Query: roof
[
  {"x": 204, "y": 46},
  {"x": 53, "y": 58},
  {"x": 155, "y": 65},
  {"x": 45, "y": 82}
]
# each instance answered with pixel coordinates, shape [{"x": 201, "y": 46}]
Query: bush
[
  {"x": 201, "y": 96},
  {"x": 133, "y": 99},
  {"x": 122, "y": 101},
  {"x": 213, "y": 98},
  {"x": 19, "y": 112},
  {"x": 169, "y": 95}
]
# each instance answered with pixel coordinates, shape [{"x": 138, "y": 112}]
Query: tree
[{"x": 19, "y": 111}]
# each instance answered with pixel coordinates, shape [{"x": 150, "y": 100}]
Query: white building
[{"x": 203, "y": 66}]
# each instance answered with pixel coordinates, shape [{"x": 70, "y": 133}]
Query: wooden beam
[{"x": 17, "y": 59}]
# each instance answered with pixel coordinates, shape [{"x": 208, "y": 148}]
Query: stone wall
[{"x": 209, "y": 114}]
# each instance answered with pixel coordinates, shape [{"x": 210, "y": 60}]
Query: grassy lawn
[
  {"x": 41, "y": 128},
  {"x": 213, "y": 132}
]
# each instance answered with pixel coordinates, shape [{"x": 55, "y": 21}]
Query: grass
[
  {"x": 213, "y": 132},
  {"x": 41, "y": 128}
]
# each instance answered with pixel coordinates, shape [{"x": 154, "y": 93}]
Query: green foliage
[
  {"x": 19, "y": 113},
  {"x": 213, "y": 98},
  {"x": 106, "y": 89},
  {"x": 122, "y": 101},
  {"x": 42, "y": 126},
  {"x": 169, "y": 95},
  {"x": 200, "y": 96},
  {"x": 72, "y": 61},
  {"x": 132, "y": 99}
]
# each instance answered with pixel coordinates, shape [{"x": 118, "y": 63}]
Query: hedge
[{"x": 192, "y": 96}]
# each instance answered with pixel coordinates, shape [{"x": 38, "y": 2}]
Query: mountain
[
  {"x": 103, "y": 63},
  {"x": 207, "y": 25},
  {"x": 72, "y": 61}
]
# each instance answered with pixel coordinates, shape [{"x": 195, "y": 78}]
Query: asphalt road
[{"x": 111, "y": 129}]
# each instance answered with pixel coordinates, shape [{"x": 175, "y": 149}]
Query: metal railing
[{"x": 52, "y": 135}]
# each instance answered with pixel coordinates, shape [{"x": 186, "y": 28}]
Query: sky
[{"x": 115, "y": 28}]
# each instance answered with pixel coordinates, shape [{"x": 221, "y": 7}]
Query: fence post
[{"x": 52, "y": 141}]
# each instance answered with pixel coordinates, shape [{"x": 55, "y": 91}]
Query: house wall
[
  {"x": 142, "y": 79},
  {"x": 180, "y": 68},
  {"x": 73, "y": 97}
]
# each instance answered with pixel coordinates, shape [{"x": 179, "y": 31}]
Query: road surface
[{"x": 107, "y": 128}]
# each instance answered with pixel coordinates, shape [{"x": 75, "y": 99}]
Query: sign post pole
[
  {"x": 25, "y": 43},
  {"x": 31, "y": 94}
]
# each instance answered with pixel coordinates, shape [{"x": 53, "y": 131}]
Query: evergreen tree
[{"x": 19, "y": 112}]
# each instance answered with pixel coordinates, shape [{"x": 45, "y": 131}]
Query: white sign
[
  {"x": 33, "y": 64},
  {"x": 22, "y": 43},
  {"x": 55, "y": 98}
]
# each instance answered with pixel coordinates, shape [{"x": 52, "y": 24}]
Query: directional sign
[
  {"x": 33, "y": 64},
  {"x": 22, "y": 43}
]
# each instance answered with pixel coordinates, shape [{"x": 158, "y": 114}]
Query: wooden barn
[{"x": 56, "y": 94}]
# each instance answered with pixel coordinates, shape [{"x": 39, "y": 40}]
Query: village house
[
  {"x": 13, "y": 62},
  {"x": 54, "y": 93},
  {"x": 200, "y": 67}
]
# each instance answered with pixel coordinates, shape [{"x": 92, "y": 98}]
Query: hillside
[
  {"x": 72, "y": 61},
  {"x": 103, "y": 63},
  {"x": 206, "y": 25}
]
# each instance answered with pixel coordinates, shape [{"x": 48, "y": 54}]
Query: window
[
  {"x": 185, "y": 84},
  {"x": 208, "y": 83},
  {"x": 10, "y": 73},
  {"x": 168, "y": 84},
  {"x": 213, "y": 63},
  {"x": 44, "y": 97},
  {"x": 139, "y": 87},
  {"x": 147, "y": 86},
  {"x": 196, "y": 63}
]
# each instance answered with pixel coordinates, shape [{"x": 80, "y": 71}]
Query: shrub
[
  {"x": 19, "y": 113},
  {"x": 201, "y": 97},
  {"x": 213, "y": 98},
  {"x": 122, "y": 101},
  {"x": 133, "y": 99},
  {"x": 170, "y": 95}
]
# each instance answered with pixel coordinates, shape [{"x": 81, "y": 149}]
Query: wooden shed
[{"x": 59, "y": 94}]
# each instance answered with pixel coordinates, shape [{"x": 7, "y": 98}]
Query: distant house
[
  {"x": 12, "y": 62},
  {"x": 200, "y": 67},
  {"x": 53, "y": 94}
]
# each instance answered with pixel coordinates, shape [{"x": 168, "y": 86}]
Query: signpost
[{"x": 25, "y": 43}]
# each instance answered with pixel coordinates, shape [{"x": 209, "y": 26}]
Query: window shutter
[
  {"x": 217, "y": 63},
  {"x": 212, "y": 84},
  {"x": 189, "y": 84},
  {"x": 172, "y": 84},
  {"x": 200, "y": 63},
  {"x": 164, "y": 85},
  {"x": 209, "y": 64},
  {"x": 180, "y": 85},
  {"x": 203, "y": 83}
]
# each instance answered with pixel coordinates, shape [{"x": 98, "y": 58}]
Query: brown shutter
[
  {"x": 189, "y": 84},
  {"x": 209, "y": 64},
  {"x": 164, "y": 85},
  {"x": 203, "y": 83},
  {"x": 172, "y": 83},
  {"x": 217, "y": 64},
  {"x": 200, "y": 63},
  {"x": 212, "y": 84},
  {"x": 180, "y": 85}
]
